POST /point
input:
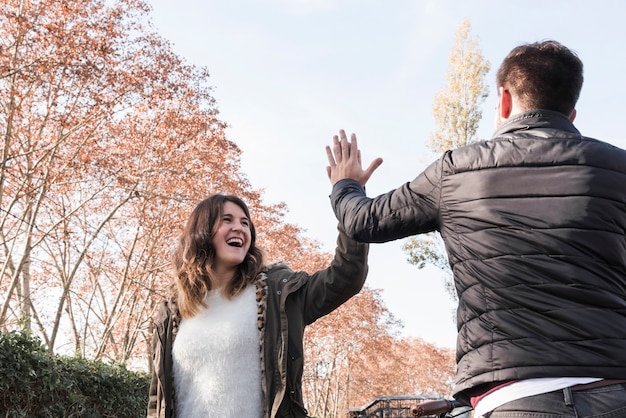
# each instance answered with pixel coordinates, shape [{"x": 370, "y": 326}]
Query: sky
[{"x": 288, "y": 74}]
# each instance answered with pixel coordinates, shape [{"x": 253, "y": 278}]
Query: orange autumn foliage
[{"x": 108, "y": 140}]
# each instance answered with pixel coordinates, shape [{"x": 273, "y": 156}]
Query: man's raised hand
[{"x": 344, "y": 159}]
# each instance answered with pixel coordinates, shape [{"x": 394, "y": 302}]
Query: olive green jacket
[{"x": 287, "y": 302}]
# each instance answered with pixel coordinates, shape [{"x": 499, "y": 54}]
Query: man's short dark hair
[{"x": 542, "y": 75}]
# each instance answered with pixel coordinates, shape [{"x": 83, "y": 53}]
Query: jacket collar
[{"x": 541, "y": 118}]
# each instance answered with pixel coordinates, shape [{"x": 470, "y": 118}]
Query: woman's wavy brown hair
[{"x": 195, "y": 254}]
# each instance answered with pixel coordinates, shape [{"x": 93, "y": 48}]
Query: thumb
[{"x": 372, "y": 167}]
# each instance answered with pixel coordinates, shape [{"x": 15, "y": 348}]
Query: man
[{"x": 534, "y": 223}]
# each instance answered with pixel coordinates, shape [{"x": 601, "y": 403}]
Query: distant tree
[
  {"x": 457, "y": 114},
  {"x": 355, "y": 355},
  {"x": 338, "y": 350},
  {"x": 430, "y": 369},
  {"x": 457, "y": 110}
]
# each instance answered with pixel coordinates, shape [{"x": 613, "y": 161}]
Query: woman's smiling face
[{"x": 232, "y": 239}]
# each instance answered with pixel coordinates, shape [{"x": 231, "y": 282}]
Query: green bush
[{"x": 35, "y": 384}]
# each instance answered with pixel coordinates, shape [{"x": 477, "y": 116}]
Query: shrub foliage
[{"x": 34, "y": 383}]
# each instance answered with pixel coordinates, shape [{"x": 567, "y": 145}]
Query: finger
[
  {"x": 329, "y": 154},
  {"x": 373, "y": 166},
  {"x": 345, "y": 145},
  {"x": 354, "y": 148},
  {"x": 337, "y": 148}
]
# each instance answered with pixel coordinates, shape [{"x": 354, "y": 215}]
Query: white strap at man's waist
[{"x": 524, "y": 388}]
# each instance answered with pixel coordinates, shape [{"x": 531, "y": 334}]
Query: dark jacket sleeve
[
  {"x": 295, "y": 300},
  {"x": 411, "y": 209},
  {"x": 327, "y": 289}
]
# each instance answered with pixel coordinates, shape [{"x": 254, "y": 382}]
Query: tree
[
  {"x": 457, "y": 114},
  {"x": 457, "y": 109},
  {"x": 354, "y": 355},
  {"x": 334, "y": 347},
  {"x": 109, "y": 140}
]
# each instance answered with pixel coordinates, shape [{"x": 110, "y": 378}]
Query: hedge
[{"x": 34, "y": 383}]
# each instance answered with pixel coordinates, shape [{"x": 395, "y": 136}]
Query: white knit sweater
[{"x": 216, "y": 360}]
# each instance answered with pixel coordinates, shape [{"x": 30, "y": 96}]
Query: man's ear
[
  {"x": 572, "y": 116},
  {"x": 506, "y": 103}
]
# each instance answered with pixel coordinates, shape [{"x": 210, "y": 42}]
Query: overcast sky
[{"x": 288, "y": 74}]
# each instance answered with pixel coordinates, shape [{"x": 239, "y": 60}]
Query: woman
[{"x": 228, "y": 343}]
